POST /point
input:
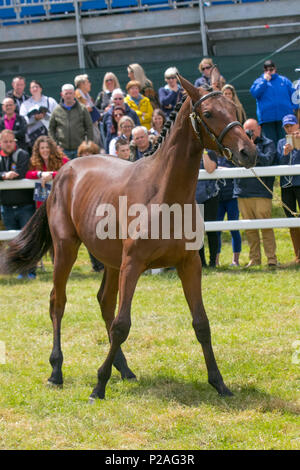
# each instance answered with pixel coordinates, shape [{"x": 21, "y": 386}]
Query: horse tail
[{"x": 26, "y": 250}]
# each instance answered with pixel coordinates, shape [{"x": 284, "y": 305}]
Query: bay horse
[{"x": 206, "y": 119}]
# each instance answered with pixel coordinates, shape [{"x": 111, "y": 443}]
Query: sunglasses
[
  {"x": 206, "y": 68},
  {"x": 118, "y": 99},
  {"x": 109, "y": 80},
  {"x": 171, "y": 78},
  {"x": 118, "y": 114},
  {"x": 269, "y": 69}
]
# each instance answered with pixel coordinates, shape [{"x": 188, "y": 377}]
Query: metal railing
[
  {"x": 24, "y": 11},
  {"x": 281, "y": 170}
]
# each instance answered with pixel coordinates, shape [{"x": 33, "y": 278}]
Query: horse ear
[
  {"x": 215, "y": 78},
  {"x": 191, "y": 90}
]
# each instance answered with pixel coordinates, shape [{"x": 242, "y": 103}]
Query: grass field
[{"x": 254, "y": 317}]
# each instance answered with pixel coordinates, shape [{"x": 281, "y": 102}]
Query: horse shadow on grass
[
  {"x": 12, "y": 280},
  {"x": 193, "y": 394}
]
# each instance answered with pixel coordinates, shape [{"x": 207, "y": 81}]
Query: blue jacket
[
  {"x": 168, "y": 97},
  {"x": 202, "y": 81},
  {"x": 252, "y": 187},
  {"x": 293, "y": 158},
  {"x": 206, "y": 189},
  {"x": 226, "y": 185},
  {"x": 273, "y": 98}
]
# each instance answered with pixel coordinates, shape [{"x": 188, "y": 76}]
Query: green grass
[{"x": 254, "y": 321}]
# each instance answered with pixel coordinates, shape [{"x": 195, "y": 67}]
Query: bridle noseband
[{"x": 197, "y": 121}]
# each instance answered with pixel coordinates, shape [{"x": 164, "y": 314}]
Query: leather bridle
[{"x": 197, "y": 122}]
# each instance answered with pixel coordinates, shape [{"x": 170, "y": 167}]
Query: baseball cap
[
  {"x": 269, "y": 63},
  {"x": 289, "y": 119}
]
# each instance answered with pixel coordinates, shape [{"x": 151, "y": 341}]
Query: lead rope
[{"x": 282, "y": 204}]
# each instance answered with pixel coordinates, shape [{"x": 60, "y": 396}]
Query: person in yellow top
[{"x": 139, "y": 103}]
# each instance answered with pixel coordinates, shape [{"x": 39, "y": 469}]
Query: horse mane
[
  {"x": 170, "y": 121},
  {"x": 166, "y": 128}
]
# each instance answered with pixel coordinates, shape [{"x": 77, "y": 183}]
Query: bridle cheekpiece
[{"x": 197, "y": 122}]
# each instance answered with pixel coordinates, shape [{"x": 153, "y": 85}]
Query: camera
[
  {"x": 293, "y": 140},
  {"x": 249, "y": 133}
]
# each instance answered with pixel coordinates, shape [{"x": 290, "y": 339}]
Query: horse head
[{"x": 214, "y": 121}]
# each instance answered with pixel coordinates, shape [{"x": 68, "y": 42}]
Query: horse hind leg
[
  {"x": 107, "y": 298},
  {"x": 65, "y": 254},
  {"x": 190, "y": 275}
]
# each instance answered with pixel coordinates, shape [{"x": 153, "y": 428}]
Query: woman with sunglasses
[
  {"x": 110, "y": 83},
  {"x": 205, "y": 67},
  {"x": 171, "y": 93},
  {"x": 117, "y": 114}
]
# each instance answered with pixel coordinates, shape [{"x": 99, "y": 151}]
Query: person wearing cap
[
  {"x": 287, "y": 154},
  {"x": 255, "y": 200},
  {"x": 70, "y": 122},
  {"x": 171, "y": 93},
  {"x": 273, "y": 94},
  {"x": 139, "y": 103}
]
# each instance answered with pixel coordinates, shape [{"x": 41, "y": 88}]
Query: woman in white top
[
  {"x": 125, "y": 126},
  {"x": 158, "y": 121},
  {"x": 37, "y": 111}
]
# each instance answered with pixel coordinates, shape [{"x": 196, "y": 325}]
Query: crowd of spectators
[{"x": 39, "y": 135}]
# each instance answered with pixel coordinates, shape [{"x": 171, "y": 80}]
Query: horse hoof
[
  {"x": 221, "y": 388},
  {"x": 225, "y": 392},
  {"x": 129, "y": 376},
  {"x": 93, "y": 399},
  {"x": 51, "y": 384}
]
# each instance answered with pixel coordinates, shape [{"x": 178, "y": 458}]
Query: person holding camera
[
  {"x": 273, "y": 94},
  {"x": 288, "y": 153},
  {"x": 255, "y": 200}
]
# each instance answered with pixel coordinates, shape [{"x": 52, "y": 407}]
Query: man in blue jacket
[
  {"x": 273, "y": 94},
  {"x": 290, "y": 185},
  {"x": 254, "y": 200}
]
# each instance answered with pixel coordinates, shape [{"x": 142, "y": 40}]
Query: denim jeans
[
  {"x": 15, "y": 217},
  {"x": 231, "y": 208}
]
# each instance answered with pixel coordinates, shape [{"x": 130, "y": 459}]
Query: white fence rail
[{"x": 226, "y": 173}]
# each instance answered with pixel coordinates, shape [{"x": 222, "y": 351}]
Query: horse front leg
[
  {"x": 190, "y": 274},
  {"x": 120, "y": 327},
  {"x": 107, "y": 298}
]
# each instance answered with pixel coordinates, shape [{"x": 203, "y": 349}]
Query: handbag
[
  {"x": 42, "y": 130},
  {"x": 95, "y": 114}
]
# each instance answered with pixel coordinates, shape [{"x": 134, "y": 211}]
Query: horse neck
[{"x": 177, "y": 161}]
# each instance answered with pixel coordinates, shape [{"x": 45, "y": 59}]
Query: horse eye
[{"x": 207, "y": 114}]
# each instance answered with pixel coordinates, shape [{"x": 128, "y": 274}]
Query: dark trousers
[
  {"x": 15, "y": 217},
  {"x": 273, "y": 130},
  {"x": 230, "y": 207},
  {"x": 290, "y": 196},
  {"x": 210, "y": 215}
]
